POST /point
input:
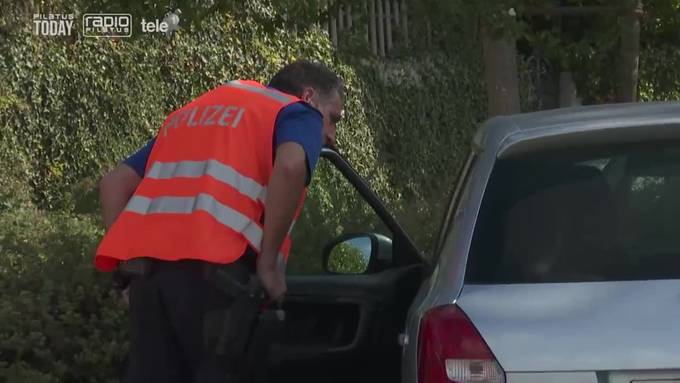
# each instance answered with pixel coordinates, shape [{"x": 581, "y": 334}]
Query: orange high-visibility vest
[{"x": 203, "y": 193}]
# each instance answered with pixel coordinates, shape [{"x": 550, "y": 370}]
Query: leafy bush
[
  {"x": 660, "y": 78},
  {"x": 347, "y": 259},
  {"x": 59, "y": 319},
  {"x": 76, "y": 108},
  {"x": 424, "y": 112}
]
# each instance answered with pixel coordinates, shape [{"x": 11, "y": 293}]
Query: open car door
[{"x": 352, "y": 274}]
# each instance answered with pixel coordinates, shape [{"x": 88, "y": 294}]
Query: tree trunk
[
  {"x": 568, "y": 93},
  {"x": 500, "y": 74},
  {"x": 372, "y": 28},
  {"x": 626, "y": 90}
]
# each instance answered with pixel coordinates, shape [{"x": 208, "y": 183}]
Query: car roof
[{"x": 658, "y": 119}]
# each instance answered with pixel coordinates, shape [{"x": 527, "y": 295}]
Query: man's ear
[{"x": 307, "y": 94}]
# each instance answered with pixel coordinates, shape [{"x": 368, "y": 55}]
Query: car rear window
[{"x": 601, "y": 214}]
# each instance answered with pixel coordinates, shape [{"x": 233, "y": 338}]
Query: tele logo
[{"x": 154, "y": 26}]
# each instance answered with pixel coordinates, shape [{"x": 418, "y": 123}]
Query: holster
[
  {"x": 135, "y": 268},
  {"x": 269, "y": 326},
  {"x": 239, "y": 321},
  {"x": 246, "y": 329},
  {"x": 229, "y": 337}
]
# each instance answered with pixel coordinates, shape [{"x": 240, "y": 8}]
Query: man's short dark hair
[{"x": 296, "y": 76}]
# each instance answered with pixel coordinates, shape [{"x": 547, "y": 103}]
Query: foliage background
[{"x": 70, "y": 109}]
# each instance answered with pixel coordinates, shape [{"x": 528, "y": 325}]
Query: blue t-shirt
[{"x": 299, "y": 122}]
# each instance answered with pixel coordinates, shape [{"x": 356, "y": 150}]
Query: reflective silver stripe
[
  {"x": 280, "y": 259},
  {"x": 281, "y": 262},
  {"x": 276, "y": 95},
  {"x": 219, "y": 171},
  {"x": 202, "y": 202},
  {"x": 292, "y": 225}
]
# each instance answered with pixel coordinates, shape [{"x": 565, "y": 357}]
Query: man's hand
[
  {"x": 125, "y": 296},
  {"x": 273, "y": 279}
]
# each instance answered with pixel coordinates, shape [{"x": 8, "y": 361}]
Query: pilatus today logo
[
  {"x": 107, "y": 25},
  {"x": 53, "y": 24}
]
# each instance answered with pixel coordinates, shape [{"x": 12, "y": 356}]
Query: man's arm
[
  {"x": 115, "y": 190},
  {"x": 118, "y": 185},
  {"x": 297, "y": 145},
  {"x": 283, "y": 193}
]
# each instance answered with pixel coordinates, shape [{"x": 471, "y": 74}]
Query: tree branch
[{"x": 571, "y": 10}]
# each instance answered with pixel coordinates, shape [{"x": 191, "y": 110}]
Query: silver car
[
  {"x": 558, "y": 261},
  {"x": 560, "y": 258}
]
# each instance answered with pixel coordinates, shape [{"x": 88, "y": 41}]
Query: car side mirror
[{"x": 357, "y": 254}]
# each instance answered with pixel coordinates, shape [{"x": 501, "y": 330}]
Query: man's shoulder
[{"x": 300, "y": 108}]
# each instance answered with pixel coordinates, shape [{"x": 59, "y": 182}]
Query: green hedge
[
  {"x": 59, "y": 320},
  {"x": 424, "y": 111},
  {"x": 72, "y": 110},
  {"x": 660, "y": 73},
  {"x": 422, "y": 114}
]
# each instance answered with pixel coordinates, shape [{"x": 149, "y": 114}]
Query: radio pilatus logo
[{"x": 107, "y": 25}]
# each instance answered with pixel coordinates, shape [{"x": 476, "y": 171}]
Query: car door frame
[
  {"x": 411, "y": 255},
  {"x": 407, "y": 262}
]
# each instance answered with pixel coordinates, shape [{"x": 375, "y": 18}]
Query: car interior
[{"x": 341, "y": 324}]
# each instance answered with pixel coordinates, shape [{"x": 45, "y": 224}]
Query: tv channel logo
[
  {"x": 53, "y": 24},
  {"x": 107, "y": 25}
]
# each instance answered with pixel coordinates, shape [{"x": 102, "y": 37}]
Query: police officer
[{"x": 218, "y": 187}]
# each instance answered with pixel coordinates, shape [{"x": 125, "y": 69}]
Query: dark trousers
[{"x": 168, "y": 313}]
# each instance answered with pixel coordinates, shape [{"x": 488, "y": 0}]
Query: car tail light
[{"x": 451, "y": 350}]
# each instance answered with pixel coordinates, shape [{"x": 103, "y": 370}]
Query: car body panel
[
  {"x": 552, "y": 377},
  {"x": 594, "y": 377},
  {"x": 589, "y": 326},
  {"x": 506, "y": 135}
]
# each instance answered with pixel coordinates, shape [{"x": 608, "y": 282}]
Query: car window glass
[
  {"x": 600, "y": 215},
  {"x": 333, "y": 208}
]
